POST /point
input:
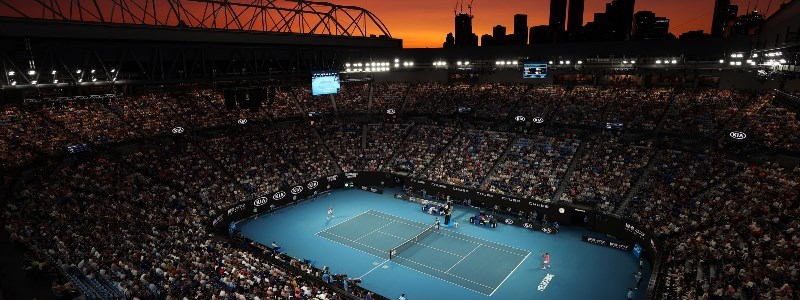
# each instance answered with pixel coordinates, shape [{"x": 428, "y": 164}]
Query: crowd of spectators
[
  {"x": 388, "y": 96},
  {"x": 704, "y": 112},
  {"x": 533, "y": 167},
  {"x": 425, "y": 97},
  {"x": 606, "y": 171},
  {"x": 669, "y": 189},
  {"x": 468, "y": 158},
  {"x": 420, "y": 148},
  {"x": 771, "y": 126},
  {"x": 91, "y": 118},
  {"x": 353, "y": 98},
  {"x": 310, "y": 103},
  {"x": 739, "y": 241},
  {"x": 119, "y": 232},
  {"x": 637, "y": 109},
  {"x": 190, "y": 170},
  {"x": 297, "y": 144},
  {"x": 136, "y": 224},
  {"x": 359, "y": 147},
  {"x": 582, "y": 105},
  {"x": 251, "y": 160}
]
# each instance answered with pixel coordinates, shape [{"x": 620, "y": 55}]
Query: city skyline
[{"x": 432, "y": 20}]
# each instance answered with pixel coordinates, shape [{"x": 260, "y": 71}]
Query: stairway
[
  {"x": 397, "y": 149},
  {"x": 571, "y": 168},
  {"x": 327, "y": 150},
  {"x": 648, "y": 168},
  {"x": 497, "y": 163}
]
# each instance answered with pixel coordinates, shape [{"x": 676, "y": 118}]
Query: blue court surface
[{"x": 468, "y": 262}]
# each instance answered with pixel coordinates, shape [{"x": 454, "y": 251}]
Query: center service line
[{"x": 373, "y": 269}]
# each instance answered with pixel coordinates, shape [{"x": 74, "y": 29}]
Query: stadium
[{"x": 292, "y": 149}]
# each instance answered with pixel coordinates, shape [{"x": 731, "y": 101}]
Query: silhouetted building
[
  {"x": 499, "y": 36},
  {"x": 647, "y": 26},
  {"x": 449, "y": 41},
  {"x": 540, "y": 35},
  {"x": 745, "y": 25},
  {"x": 575, "y": 20},
  {"x": 612, "y": 25},
  {"x": 487, "y": 40},
  {"x": 520, "y": 29},
  {"x": 621, "y": 12},
  {"x": 695, "y": 34},
  {"x": 558, "y": 17},
  {"x": 499, "y": 31},
  {"x": 464, "y": 36},
  {"x": 721, "y": 16}
]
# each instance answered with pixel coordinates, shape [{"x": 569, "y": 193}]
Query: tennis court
[{"x": 472, "y": 263}]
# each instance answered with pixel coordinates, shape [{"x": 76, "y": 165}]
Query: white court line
[
  {"x": 459, "y": 261},
  {"x": 509, "y": 274},
  {"x": 410, "y": 268},
  {"x": 442, "y": 279},
  {"x": 434, "y": 248},
  {"x": 435, "y": 269},
  {"x": 349, "y": 240},
  {"x": 454, "y": 236},
  {"x": 373, "y": 269},
  {"x": 371, "y": 232},
  {"x": 345, "y": 221}
]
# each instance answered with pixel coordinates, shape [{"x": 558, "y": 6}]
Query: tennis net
[{"x": 407, "y": 244}]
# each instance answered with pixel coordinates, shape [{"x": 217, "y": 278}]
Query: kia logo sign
[
  {"x": 312, "y": 185},
  {"x": 538, "y": 120},
  {"x": 279, "y": 195},
  {"x": 242, "y": 121},
  {"x": 391, "y": 111},
  {"x": 561, "y": 210},
  {"x": 737, "y": 135},
  {"x": 519, "y": 118},
  {"x": 527, "y": 225},
  {"x": 296, "y": 190},
  {"x": 177, "y": 130},
  {"x": 260, "y": 201},
  {"x": 509, "y": 221}
]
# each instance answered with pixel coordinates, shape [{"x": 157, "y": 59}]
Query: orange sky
[{"x": 424, "y": 23}]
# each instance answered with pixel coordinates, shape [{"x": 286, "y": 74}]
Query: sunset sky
[{"x": 424, "y": 23}]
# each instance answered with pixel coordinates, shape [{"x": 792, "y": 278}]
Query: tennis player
[
  {"x": 545, "y": 260},
  {"x": 330, "y": 212}
]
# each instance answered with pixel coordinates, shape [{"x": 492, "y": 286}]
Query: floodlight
[
  {"x": 32, "y": 72},
  {"x": 722, "y": 61},
  {"x": 55, "y": 80},
  {"x": 458, "y": 63},
  {"x": 674, "y": 61},
  {"x": 567, "y": 62},
  {"x": 11, "y": 73},
  {"x": 560, "y": 62},
  {"x": 53, "y": 72},
  {"x": 78, "y": 71},
  {"x": 396, "y": 60},
  {"x": 624, "y": 61},
  {"x": 347, "y": 65},
  {"x": 783, "y": 61},
  {"x": 34, "y": 82},
  {"x": 514, "y": 62},
  {"x": 466, "y": 63},
  {"x": 94, "y": 79},
  {"x": 92, "y": 71},
  {"x": 658, "y": 62},
  {"x": 580, "y": 62},
  {"x": 14, "y": 82},
  {"x": 733, "y": 63},
  {"x": 550, "y": 62}
]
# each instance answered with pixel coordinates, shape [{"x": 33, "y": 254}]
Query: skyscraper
[
  {"x": 647, "y": 26},
  {"x": 464, "y": 36},
  {"x": 575, "y": 20},
  {"x": 558, "y": 15},
  {"x": 499, "y": 35},
  {"x": 612, "y": 25},
  {"x": 520, "y": 29},
  {"x": 540, "y": 35},
  {"x": 721, "y": 17}
]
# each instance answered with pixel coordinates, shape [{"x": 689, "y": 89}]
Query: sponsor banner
[
  {"x": 371, "y": 189},
  {"x": 607, "y": 243},
  {"x": 508, "y": 204},
  {"x": 260, "y": 201}
]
